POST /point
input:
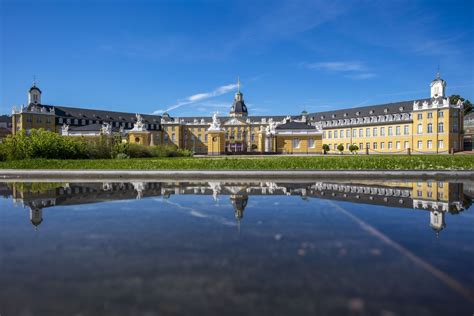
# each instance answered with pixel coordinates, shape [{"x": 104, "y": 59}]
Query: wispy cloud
[
  {"x": 195, "y": 98},
  {"x": 362, "y": 76},
  {"x": 351, "y": 69},
  {"x": 336, "y": 66}
]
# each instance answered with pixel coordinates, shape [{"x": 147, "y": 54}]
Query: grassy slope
[{"x": 440, "y": 162}]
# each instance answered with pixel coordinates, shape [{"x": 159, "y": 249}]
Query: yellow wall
[
  {"x": 29, "y": 121},
  {"x": 441, "y": 142},
  {"x": 216, "y": 143},
  {"x": 285, "y": 144}
]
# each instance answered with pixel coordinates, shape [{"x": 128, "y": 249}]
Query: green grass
[{"x": 431, "y": 162}]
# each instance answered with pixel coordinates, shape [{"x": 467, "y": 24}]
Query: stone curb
[{"x": 232, "y": 174}]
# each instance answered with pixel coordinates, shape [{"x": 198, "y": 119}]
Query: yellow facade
[
  {"x": 216, "y": 142},
  {"x": 431, "y": 131},
  {"x": 287, "y": 144},
  {"x": 28, "y": 121}
]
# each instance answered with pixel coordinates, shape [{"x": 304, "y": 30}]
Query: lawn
[{"x": 428, "y": 162}]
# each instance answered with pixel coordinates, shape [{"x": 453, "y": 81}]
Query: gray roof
[
  {"x": 90, "y": 128},
  {"x": 5, "y": 118},
  {"x": 295, "y": 125},
  {"x": 371, "y": 110},
  {"x": 101, "y": 115}
]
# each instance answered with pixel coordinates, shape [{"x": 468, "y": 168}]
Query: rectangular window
[
  {"x": 367, "y": 145},
  {"x": 399, "y": 145},
  {"x": 455, "y": 127},
  {"x": 361, "y": 132},
  {"x": 440, "y": 144},
  {"x": 419, "y": 129},
  {"x": 440, "y": 114},
  {"x": 311, "y": 142},
  {"x": 296, "y": 143},
  {"x": 405, "y": 146},
  {"x": 361, "y": 146},
  {"x": 430, "y": 115},
  {"x": 430, "y": 128},
  {"x": 440, "y": 127},
  {"x": 354, "y": 133},
  {"x": 374, "y": 131},
  {"x": 329, "y": 134},
  {"x": 390, "y": 131},
  {"x": 429, "y": 144},
  {"x": 341, "y": 133},
  {"x": 405, "y": 130},
  {"x": 374, "y": 145},
  {"x": 420, "y": 116},
  {"x": 335, "y": 134},
  {"x": 420, "y": 144},
  {"x": 173, "y": 137},
  {"x": 348, "y": 133},
  {"x": 367, "y": 132},
  {"x": 324, "y": 135},
  {"x": 382, "y": 145},
  {"x": 398, "y": 130},
  {"x": 382, "y": 131},
  {"x": 389, "y": 145}
]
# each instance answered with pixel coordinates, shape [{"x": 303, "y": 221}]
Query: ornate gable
[{"x": 235, "y": 122}]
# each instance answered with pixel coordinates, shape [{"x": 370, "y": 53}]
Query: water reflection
[{"x": 437, "y": 198}]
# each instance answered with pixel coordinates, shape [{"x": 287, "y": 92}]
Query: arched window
[{"x": 430, "y": 128}]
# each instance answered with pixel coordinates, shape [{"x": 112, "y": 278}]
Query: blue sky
[{"x": 185, "y": 56}]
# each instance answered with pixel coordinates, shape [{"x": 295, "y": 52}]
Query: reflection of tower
[
  {"x": 437, "y": 221},
  {"x": 239, "y": 202},
  {"x": 36, "y": 216}
]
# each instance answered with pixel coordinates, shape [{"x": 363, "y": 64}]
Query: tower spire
[
  {"x": 34, "y": 80},
  {"x": 437, "y": 73},
  {"x": 238, "y": 84}
]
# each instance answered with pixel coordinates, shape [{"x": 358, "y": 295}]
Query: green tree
[
  {"x": 353, "y": 148},
  {"x": 467, "y": 104},
  {"x": 340, "y": 147},
  {"x": 325, "y": 148}
]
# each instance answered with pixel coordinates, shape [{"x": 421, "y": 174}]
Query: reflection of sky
[{"x": 185, "y": 255}]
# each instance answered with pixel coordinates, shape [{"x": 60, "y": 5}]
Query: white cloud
[
  {"x": 200, "y": 97},
  {"x": 337, "y": 66},
  {"x": 362, "y": 76},
  {"x": 351, "y": 69}
]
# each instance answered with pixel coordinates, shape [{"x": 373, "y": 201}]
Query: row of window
[
  {"x": 429, "y": 128},
  {"x": 430, "y": 115},
  {"x": 297, "y": 143},
  {"x": 372, "y": 132},
  {"x": 114, "y": 124},
  {"x": 390, "y": 145},
  {"x": 39, "y": 119},
  {"x": 368, "y": 132}
]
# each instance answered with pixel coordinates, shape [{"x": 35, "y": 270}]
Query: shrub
[
  {"x": 325, "y": 148},
  {"x": 340, "y": 147},
  {"x": 122, "y": 156},
  {"x": 43, "y": 144},
  {"x": 185, "y": 153},
  {"x": 3, "y": 154},
  {"x": 353, "y": 148},
  {"x": 138, "y": 151}
]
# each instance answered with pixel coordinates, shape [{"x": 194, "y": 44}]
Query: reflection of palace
[{"x": 436, "y": 197}]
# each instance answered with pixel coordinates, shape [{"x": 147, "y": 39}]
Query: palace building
[{"x": 431, "y": 125}]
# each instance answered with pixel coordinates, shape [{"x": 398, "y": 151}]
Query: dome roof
[
  {"x": 239, "y": 107},
  {"x": 34, "y": 87}
]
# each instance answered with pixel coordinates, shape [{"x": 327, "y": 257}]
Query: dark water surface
[{"x": 235, "y": 248}]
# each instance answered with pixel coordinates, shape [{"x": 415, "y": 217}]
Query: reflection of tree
[{"x": 35, "y": 187}]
